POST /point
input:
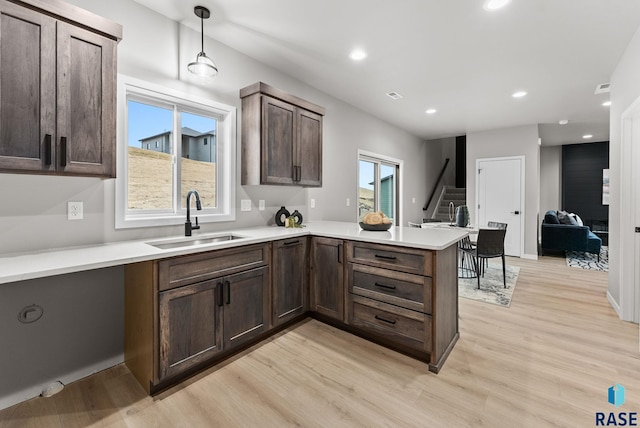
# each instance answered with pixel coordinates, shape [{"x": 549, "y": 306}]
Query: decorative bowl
[{"x": 375, "y": 227}]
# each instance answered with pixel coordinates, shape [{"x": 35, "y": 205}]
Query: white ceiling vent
[
  {"x": 603, "y": 88},
  {"x": 394, "y": 95}
]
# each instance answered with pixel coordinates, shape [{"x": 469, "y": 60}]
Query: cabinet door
[
  {"x": 86, "y": 102},
  {"x": 309, "y": 148},
  {"x": 27, "y": 88},
  {"x": 190, "y": 326},
  {"x": 278, "y": 134},
  {"x": 289, "y": 285},
  {"x": 246, "y": 306},
  {"x": 327, "y": 277}
]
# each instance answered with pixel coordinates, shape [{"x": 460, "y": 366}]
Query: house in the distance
[{"x": 196, "y": 145}]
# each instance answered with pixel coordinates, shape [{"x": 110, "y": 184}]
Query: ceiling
[{"x": 451, "y": 55}]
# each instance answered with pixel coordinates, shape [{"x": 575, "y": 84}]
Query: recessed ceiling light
[
  {"x": 431, "y": 111},
  {"x": 519, "y": 94},
  {"x": 495, "y": 4},
  {"x": 587, "y": 136},
  {"x": 394, "y": 95},
  {"x": 357, "y": 55},
  {"x": 563, "y": 121},
  {"x": 606, "y": 103}
]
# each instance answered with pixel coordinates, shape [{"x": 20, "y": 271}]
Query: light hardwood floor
[{"x": 548, "y": 360}]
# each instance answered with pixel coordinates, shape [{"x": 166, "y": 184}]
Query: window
[
  {"x": 379, "y": 185},
  {"x": 194, "y": 150}
]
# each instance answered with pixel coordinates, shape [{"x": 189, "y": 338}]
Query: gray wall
[
  {"x": 625, "y": 90},
  {"x": 516, "y": 141},
  {"x": 550, "y": 178},
  {"x": 80, "y": 332},
  {"x": 33, "y": 214}
]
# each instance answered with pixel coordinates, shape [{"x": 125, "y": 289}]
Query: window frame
[
  {"x": 225, "y": 115},
  {"x": 378, "y": 160}
]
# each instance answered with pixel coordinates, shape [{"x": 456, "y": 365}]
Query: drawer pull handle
[
  {"x": 63, "y": 151},
  {"x": 379, "y": 318},
  {"x": 381, "y": 256},
  {"x": 47, "y": 149},
  {"x": 388, "y": 287},
  {"x": 297, "y": 241},
  {"x": 220, "y": 294}
]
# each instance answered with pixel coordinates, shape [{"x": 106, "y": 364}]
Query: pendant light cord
[{"x": 201, "y": 33}]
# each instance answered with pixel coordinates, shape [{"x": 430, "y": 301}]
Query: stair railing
[{"x": 436, "y": 184}]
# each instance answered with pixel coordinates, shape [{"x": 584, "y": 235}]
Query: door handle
[
  {"x": 228, "y": 284},
  {"x": 515, "y": 212},
  {"x": 47, "y": 149},
  {"x": 63, "y": 151}
]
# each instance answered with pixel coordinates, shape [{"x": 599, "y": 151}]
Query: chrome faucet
[{"x": 187, "y": 225}]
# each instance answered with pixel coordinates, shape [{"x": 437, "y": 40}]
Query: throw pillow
[
  {"x": 551, "y": 217},
  {"x": 577, "y": 218},
  {"x": 565, "y": 218}
]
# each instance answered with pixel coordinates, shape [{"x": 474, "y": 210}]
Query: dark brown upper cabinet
[
  {"x": 57, "y": 89},
  {"x": 281, "y": 138}
]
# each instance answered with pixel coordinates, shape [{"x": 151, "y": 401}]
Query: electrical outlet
[
  {"x": 348, "y": 202},
  {"x": 261, "y": 204},
  {"x": 312, "y": 202},
  {"x": 74, "y": 211},
  {"x": 245, "y": 205}
]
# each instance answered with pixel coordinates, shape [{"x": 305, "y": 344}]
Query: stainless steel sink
[{"x": 190, "y": 242}]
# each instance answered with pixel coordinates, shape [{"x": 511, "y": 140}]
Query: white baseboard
[
  {"x": 35, "y": 390},
  {"x": 614, "y": 305},
  {"x": 530, "y": 256}
]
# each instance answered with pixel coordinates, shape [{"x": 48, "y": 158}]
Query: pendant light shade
[{"x": 203, "y": 65}]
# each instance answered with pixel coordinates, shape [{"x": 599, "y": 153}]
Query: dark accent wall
[
  {"x": 582, "y": 166},
  {"x": 461, "y": 161}
]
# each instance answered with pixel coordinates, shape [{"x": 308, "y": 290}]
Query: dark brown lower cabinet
[
  {"x": 190, "y": 326},
  {"x": 245, "y": 306},
  {"x": 290, "y": 296},
  {"x": 327, "y": 277}
]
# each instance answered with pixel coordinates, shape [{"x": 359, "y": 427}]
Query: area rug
[
  {"x": 589, "y": 261},
  {"x": 491, "y": 286}
]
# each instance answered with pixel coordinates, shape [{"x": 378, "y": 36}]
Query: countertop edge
[{"x": 53, "y": 262}]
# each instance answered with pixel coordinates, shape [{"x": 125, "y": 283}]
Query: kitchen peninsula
[{"x": 398, "y": 288}]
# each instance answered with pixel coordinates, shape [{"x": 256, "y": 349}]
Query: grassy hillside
[{"x": 150, "y": 177}]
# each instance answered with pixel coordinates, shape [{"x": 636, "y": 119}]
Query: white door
[{"x": 500, "y": 198}]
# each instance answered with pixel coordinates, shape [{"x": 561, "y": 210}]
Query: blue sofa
[{"x": 561, "y": 232}]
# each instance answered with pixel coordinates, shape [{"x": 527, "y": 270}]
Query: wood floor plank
[{"x": 546, "y": 361}]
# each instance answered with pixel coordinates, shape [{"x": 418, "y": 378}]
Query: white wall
[
  {"x": 156, "y": 49},
  {"x": 515, "y": 141},
  {"x": 550, "y": 178},
  {"x": 625, "y": 89}
]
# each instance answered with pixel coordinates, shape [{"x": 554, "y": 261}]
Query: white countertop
[{"x": 49, "y": 262}]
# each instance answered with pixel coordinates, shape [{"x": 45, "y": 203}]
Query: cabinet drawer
[
  {"x": 400, "y": 325},
  {"x": 179, "y": 271},
  {"x": 391, "y": 257},
  {"x": 398, "y": 288}
]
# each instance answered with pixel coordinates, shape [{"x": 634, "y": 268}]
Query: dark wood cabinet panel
[
  {"x": 57, "y": 90},
  {"x": 282, "y": 136},
  {"x": 86, "y": 102},
  {"x": 327, "y": 277},
  {"x": 190, "y": 326},
  {"x": 289, "y": 285},
  {"x": 309, "y": 155},
  {"x": 278, "y": 130},
  {"x": 246, "y": 306},
  {"x": 27, "y": 88}
]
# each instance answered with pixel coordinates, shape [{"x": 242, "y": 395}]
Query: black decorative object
[
  {"x": 281, "y": 216},
  {"x": 462, "y": 216},
  {"x": 297, "y": 217}
]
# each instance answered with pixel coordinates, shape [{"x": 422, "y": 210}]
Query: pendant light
[{"x": 203, "y": 65}]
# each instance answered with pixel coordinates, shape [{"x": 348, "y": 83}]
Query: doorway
[
  {"x": 500, "y": 198},
  {"x": 628, "y": 248}
]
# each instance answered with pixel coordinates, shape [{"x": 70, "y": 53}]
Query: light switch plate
[
  {"x": 245, "y": 205},
  {"x": 261, "y": 205},
  {"x": 74, "y": 211},
  {"x": 312, "y": 202},
  {"x": 348, "y": 202}
]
